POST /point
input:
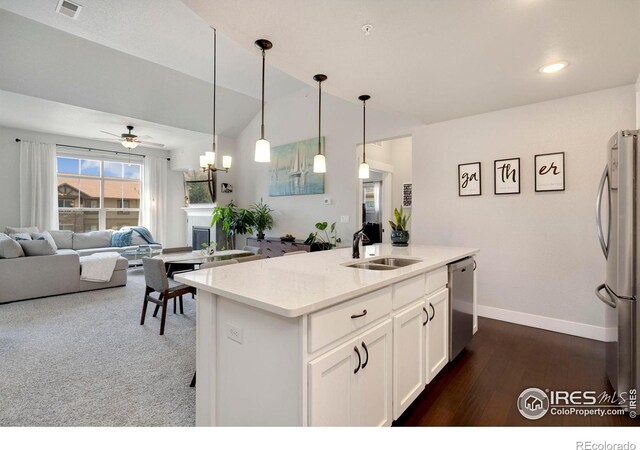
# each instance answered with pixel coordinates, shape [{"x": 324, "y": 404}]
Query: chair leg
[
  {"x": 174, "y": 304},
  {"x": 193, "y": 380},
  {"x": 165, "y": 303},
  {"x": 181, "y": 306},
  {"x": 144, "y": 305},
  {"x": 155, "y": 311}
]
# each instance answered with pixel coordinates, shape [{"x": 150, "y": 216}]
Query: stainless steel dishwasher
[{"x": 460, "y": 305}]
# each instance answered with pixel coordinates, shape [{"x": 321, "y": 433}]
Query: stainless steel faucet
[{"x": 356, "y": 241}]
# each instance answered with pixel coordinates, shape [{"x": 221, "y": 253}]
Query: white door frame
[{"x": 387, "y": 182}]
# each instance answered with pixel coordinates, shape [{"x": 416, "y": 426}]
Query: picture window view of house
[{"x": 97, "y": 194}]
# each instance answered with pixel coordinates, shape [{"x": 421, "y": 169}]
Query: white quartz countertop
[{"x": 295, "y": 285}]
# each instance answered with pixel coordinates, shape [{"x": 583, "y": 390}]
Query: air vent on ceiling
[{"x": 68, "y": 8}]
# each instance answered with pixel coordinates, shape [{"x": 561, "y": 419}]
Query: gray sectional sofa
[{"x": 25, "y": 277}]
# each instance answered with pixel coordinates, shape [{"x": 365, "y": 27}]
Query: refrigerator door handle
[
  {"x": 604, "y": 244},
  {"x": 605, "y": 299}
]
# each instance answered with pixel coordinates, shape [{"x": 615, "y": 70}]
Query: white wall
[
  {"x": 539, "y": 255},
  {"x": 638, "y": 103},
  {"x": 10, "y": 180},
  {"x": 294, "y": 118}
]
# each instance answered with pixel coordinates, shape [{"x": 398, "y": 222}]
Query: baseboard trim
[{"x": 548, "y": 323}]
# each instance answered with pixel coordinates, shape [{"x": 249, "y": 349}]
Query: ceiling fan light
[
  {"x": 363, "y": 171},
  {"x": 130, "y": 144},
  {"x": 319, "y": 164},
  {"x": 263, "y": 151}
]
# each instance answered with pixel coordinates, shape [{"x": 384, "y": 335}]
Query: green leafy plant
[
  {"x": 234, "y": 221},
  {"x": 400, "y": 220},
  {"x": 262, "y": 218},
  {"x": 326, "y": 242}
]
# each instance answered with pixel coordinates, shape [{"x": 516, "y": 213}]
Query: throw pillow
[
  {"x": 14, "y": 230},
  {"x": 92, "y": 239},
  {"x": 10, "y": 249},
  {"x": 21, "y": 236},
  {"x": 62, "y": 238},
  {"x": 40, "y": 247},
  {"x": 121, "y": 238},
  {"x": 46, "y": 236}
]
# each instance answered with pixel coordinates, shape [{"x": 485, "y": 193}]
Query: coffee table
[{"x": 135, "y": 255}]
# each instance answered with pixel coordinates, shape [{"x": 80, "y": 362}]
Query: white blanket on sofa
[{"x": 98, "y": 267}]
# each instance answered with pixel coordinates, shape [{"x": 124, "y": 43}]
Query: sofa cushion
[
  {"x": 91, "y": 251},
  {"x": 10, "y": 248},
  {"x": 47, "y": 237},
  {"x": 13, "y": 230},
  {"x": 92, "y": 239},
  {"x": 121, "y": 238},
  {"x": 21, "y": 236},
  {"x": 38, "y": 247},
  {"x": 62, "y": 238}
]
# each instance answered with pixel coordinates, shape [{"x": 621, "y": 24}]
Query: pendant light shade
[
  {"x": 363, "y": 170},
  {"x": 319, "y": 162},
  {"x": 263, "y": 147}
]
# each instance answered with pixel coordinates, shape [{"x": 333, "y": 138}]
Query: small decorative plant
[
  {"x": 326, "y": 242},
  {"x": 208, "y": 249},
  {"x": 262, "y": 218},
  {"x": 399, "y": 233},
  {"x": 234, "y": 221}
]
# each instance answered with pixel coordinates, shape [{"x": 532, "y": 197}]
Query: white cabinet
[
  {"x": 351, "y": 384},
  {"x": 437, "y": 339},
  {"x": 410, "y": 343}
]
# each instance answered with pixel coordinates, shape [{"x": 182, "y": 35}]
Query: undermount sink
[{"x": 384, "y": 263}]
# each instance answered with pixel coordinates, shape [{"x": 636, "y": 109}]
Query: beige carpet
[{"x": 84, "y": 360}]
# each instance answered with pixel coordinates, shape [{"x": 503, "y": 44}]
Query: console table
[{"x": 273, "y": 246}]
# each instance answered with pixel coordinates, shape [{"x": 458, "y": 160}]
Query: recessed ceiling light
[{"x": 552, "y": 68}]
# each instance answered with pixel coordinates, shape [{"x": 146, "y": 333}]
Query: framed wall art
[
  {"x": 549, "y": 172},
  {"x": 469, "y": 182},
  {"x": 406, "y": 195},
  {"x": 291, "y": 169},
  {"x": 506, "y": 176}
]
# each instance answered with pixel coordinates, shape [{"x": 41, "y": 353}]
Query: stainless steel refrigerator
[{"x": 618, "y": 225}]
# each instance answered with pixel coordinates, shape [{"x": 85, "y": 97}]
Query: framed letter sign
[
  {"x": 469, "y": 179},
  {"x": 549, "y": 172},
  {"x": 506, "y": 176}
]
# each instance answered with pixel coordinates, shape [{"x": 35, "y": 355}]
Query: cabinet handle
[
  {"x": 364, "y": 346},
  {"x": 434, "y": 312},
  {"x": 475, "y": 265},
  {"x": 268, "y": 249},
  {"x": 427, "y": 313},
  {"x": 355, "y": 316},
  {"x": 283, "y": 251},
  {"x": 355, "y": 348}
]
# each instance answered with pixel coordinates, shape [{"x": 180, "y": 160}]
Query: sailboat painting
[{"x": 291, "y": 169}]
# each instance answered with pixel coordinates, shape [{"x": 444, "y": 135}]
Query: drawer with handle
[
  {"x": 408, "y": 291},
  {"x": 437, "y": 279},
  {"x": 337, "y": 321}
]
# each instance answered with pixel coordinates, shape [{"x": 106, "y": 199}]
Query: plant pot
[
  {"x": 260, "y": 235},
  {"x": 400, "y": 238}
]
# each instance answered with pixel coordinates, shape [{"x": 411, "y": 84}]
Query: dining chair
[
  {"x": 211, "y": 264},
  {"x": 156, "y": 280}
]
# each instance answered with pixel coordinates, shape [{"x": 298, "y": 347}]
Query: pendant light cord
[
  {"x": 319, "y": 116},
  {"x": 262, "y": 124},
  {"x": 364, "y": 124},
  {"x": 215, "y": 51}
]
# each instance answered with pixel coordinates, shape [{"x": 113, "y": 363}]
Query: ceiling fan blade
[
  {"x": 151, "y": 144},
  {"x": 111, "y": 134},
  {"x": 108, "y": 139},
  {"x": 142, "y": 138}
]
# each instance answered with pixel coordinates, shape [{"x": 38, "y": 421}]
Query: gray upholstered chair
[
  {"x": 294, "y": 253},
  {"x": 155, "y": 277},
  {"x": 254, "y": 250},
  {"x": 242, "y": 259},
  {"x": 176, "y": 250},
  {"x": 210, "y": 264}
]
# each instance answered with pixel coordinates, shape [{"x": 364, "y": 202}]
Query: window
[{"x": 97, "y": 194}]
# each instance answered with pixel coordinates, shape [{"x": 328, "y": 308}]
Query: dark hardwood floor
[{"x": 481, "y": 386}]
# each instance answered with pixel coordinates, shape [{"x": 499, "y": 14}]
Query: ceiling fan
[{"x": 130, "y": 140}]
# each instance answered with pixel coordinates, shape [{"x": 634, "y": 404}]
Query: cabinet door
[
  {"x": 331, "y": 383},
  {"x": 372, "y": 390},
  {"x": 438, "y": 332},
  {"x": 409, "y": 356}
]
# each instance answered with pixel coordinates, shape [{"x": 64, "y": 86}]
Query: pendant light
[
  {"x": 363, "y": 170},
  {"x": 263, "y": 147},
  {"x": 319, "y": 162},
  {"x": 208, "y": 160}
]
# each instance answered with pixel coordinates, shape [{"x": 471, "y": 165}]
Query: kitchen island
[{"x": 306, "y": 340}]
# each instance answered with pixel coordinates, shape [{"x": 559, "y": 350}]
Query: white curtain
[
  {"x": 38, "y": 185},
  {"x": 153, "y": 210}
]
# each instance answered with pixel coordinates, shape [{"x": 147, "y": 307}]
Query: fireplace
[{"x": 199, "y": 236}]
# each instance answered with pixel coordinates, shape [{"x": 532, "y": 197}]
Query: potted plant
[
  {"x": 262, "y": 218},
  {"x": 326, "y": 242},
  {"x": 399, "y": 233},
  {"x": 234, "y": 221}
]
